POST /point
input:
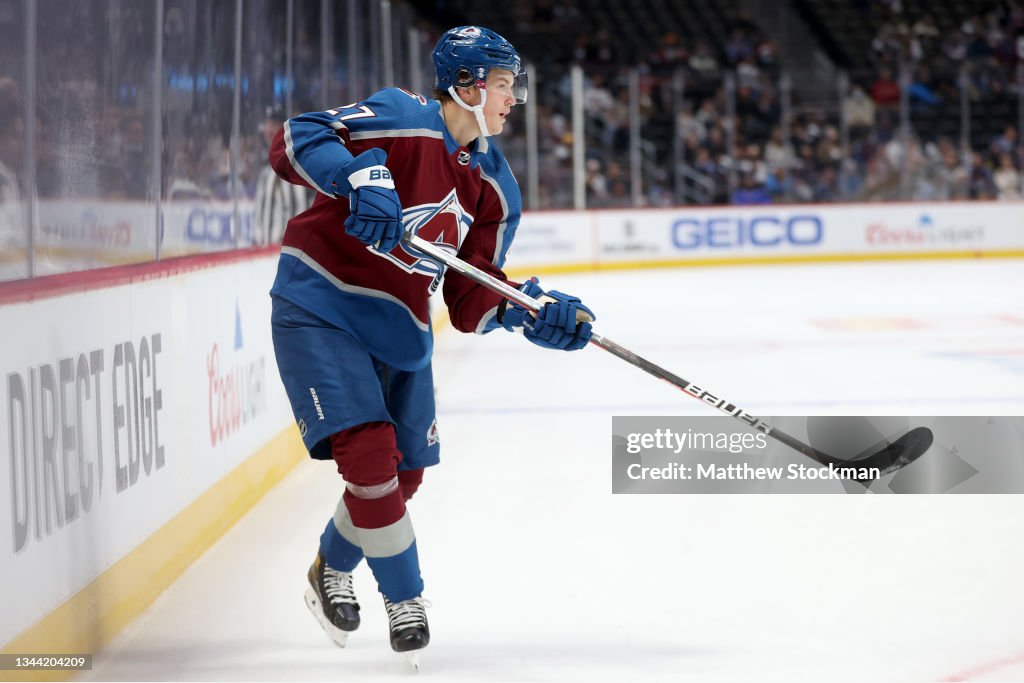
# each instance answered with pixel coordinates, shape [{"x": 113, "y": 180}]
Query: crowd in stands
[
  {"x": 762, "y": 158},
  {"x": 805, "y": 159}
]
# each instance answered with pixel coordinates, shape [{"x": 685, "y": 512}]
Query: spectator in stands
[
  {"x": 921, "y": 91},
  {"x": 926, "y": 30},
  {"x": 859, "y": 110},
  {"x": 739, "y": 47},
  {"x": 978, "y": 48},
  {"x": 596, "y": 183},
  {"x": 717, "y": 142},
  {"x": 707, "y": 114},
  {"x": 826, "y": 186},
  {"x": 778, "y": 152},
  {"x": 779, "y": 185},
  {"x": 1006, "y": 178},
  {"x": 750, "y": 192},
  {"x": 829, "y": 151},
  {"x": 670, "y": 55},
  {"x": 955, "y": 47},
  {"x": 982, "y": 185},
  {"x": 768, "y": 58},
  {"x": 1006, "y": 143},
  {"x": 951, "y": 176},
  {"x": 704, "y": 163},
  {"x": 750, "y": 162},
  {"x": 885, "y": 91},
  {"x": 704, "y": 63},
  {"x": 748, "y": 75},
  {"x": 688, "y": 124}
]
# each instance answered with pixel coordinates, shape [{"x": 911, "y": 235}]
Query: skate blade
[
  {"x": 339, "y": 637},
  {"x": 413, "y": 659}
]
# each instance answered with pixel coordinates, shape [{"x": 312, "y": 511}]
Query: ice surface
[{"x": 537, "y": 572}]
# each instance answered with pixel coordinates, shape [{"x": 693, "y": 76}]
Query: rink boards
[
  {"x": 766, "y": 234},
  {"x": 142, "y": 411},
  {"x": 142, "y": 415}
]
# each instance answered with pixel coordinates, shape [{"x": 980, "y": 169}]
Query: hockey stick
[{"x": 890, "y": 458}]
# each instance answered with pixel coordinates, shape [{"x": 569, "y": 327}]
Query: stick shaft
[{"x": 700, "y": 393}]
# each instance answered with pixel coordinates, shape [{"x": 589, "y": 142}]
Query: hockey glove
[
  {"x": 563, "y": 322},
  {"x": 375, "y": 211}
]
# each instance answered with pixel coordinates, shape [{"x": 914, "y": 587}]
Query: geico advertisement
[
  {"x": 120, "y": 407},
  {"x": 814, "y": 229},
  {"x": 710, "y": 233}
]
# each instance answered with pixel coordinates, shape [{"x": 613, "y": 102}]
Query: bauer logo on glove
[{"x": 375, "y": 210}]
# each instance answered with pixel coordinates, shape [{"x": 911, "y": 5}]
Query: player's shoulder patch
[
  {"x": 402, "y": 100},
  {"x": 414, "y": 95}
]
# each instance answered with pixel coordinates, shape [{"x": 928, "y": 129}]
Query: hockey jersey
[{"x": 463, "y": 199}]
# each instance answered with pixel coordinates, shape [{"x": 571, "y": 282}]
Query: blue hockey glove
[
  {"x": 376, "y": 212},
  {"x": 563, "y": 323}
]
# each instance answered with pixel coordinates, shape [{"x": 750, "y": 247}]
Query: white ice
[{"x": 536, "y": 572}]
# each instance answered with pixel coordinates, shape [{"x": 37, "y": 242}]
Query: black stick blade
[{"x": 899, "y": 453}]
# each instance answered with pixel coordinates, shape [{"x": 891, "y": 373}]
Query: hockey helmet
[{"x": 465, "y": 55}]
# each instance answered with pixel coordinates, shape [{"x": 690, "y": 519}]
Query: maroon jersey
[{"x": 463, "y": 199}]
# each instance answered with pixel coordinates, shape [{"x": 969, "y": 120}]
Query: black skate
[
  {"x": 332, "y": 601},
  {"x": 409, "y": 630}
]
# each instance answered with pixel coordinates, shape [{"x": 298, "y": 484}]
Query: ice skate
[
  {"x": 332, "y": 601},
  {"x": 409, "y": 630}
]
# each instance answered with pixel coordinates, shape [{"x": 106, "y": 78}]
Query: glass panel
[
  {"x": 198, "y": 82},
  {"x": 422, "y": 79},
  {"x": 13, "y": 235},
  {"x": 337, "y": 55},
  {"x": 306, "y": 60},
  {"x": 554, "y": 140},
  {"x": 606, "y": 130},
  {"x": 266, "y": 202},
  {"x": 656, "y": 130},
  {"x": 400, "y": 26},
  {"x": 94, "y": 151},
  {"x": 369, "y": 12}
]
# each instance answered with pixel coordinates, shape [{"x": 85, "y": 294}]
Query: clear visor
[
  {"x": 521, "y": 87},
  {"x": 518, "y": 89}
]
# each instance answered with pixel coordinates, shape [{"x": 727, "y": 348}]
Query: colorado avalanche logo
[{"x": 444, "y": 223}]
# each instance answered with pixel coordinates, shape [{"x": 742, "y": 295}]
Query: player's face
[{"x": 500, "y": 99}]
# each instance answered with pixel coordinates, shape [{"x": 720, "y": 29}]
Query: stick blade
[{"x": 899, "y": 453}]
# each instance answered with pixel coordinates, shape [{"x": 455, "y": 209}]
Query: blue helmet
[{"x": 464, "y": 55}]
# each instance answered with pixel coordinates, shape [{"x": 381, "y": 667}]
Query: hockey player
[{"x": 351, "y": 327}]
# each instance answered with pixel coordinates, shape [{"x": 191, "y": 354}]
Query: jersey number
[{"x": 362, "y": 112}]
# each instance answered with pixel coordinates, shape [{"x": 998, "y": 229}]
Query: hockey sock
[
  {"x": 339, "y": 543},
  {"x": 368, "y": 459},
  {"x": 386, "y": 535}
]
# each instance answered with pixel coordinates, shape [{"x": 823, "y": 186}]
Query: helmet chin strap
[{"x": 478, "y": 112}]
